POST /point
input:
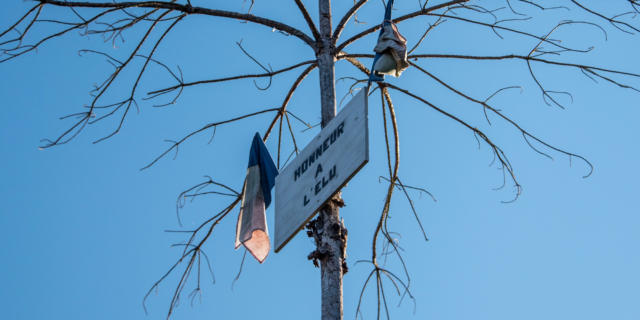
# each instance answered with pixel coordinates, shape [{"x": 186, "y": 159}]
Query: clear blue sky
[{"x": 83, "y": 229}]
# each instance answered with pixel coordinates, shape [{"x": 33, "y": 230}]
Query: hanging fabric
[
  {"x": 251, "y": 229},
  {"x": 391, "y": 50}
]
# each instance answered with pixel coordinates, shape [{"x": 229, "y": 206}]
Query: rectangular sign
[{"x": 324, "y": 166}]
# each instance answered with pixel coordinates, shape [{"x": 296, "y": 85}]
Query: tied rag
[{"x": 251, "y": 230}]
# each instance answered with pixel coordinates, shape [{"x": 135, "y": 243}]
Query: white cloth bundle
[{"x": 393, "y": 49}]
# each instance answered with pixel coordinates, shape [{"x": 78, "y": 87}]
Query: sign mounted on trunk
[{"x": 324, "y": 166}]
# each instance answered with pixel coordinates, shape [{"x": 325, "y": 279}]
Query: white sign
[{"x": 324, "y": 166}]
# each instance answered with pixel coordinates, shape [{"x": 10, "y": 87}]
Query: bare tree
[{"x": 535, "y": 45}]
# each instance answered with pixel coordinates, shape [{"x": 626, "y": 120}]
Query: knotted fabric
[{"x": 393, "y": 49}]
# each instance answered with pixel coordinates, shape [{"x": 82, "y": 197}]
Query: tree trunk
[{"x": 327, "y": 230}]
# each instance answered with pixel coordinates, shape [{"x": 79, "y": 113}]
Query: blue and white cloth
[
  {"x": 391, "y": 50},
  {"x": 251, "y": 230}
]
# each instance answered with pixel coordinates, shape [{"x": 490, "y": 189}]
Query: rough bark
[{"x": 327, "y": 230}]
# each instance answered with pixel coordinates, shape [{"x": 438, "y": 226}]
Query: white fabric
[
  {"x": 386, "y": 64},
  {"x": 391, "y": 44},
  {"x": 251, "y": 230}
]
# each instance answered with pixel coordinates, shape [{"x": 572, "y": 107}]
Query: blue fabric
[
  {"x": 387, "y": 17},
  {"x": 259, "y": 156}
]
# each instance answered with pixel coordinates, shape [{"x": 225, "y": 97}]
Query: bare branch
[
  {"x": 347, "y": 16},
  {"x": 72, "y": 132},
  {"x": 285, "y": 103},
  {"x": 188, "y": 9},
  {"x": 307, "y": 18},
  {"x": 526, "y": 134},
  {"x": 505, "y": 164},
  {"x": 175, "y": 144},
  {"x": 423, "y": 11},
  {"x": 613, "y": 20},
  {"x": 583, "y": 67},
  {"x": 245, "y": 76},
  {"x": 135, "y": 85}
]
